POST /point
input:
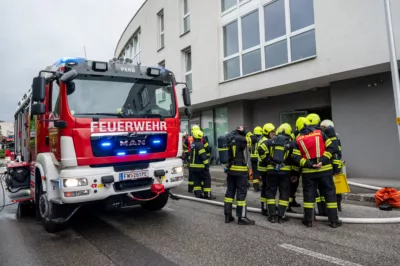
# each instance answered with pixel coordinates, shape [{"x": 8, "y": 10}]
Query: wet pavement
[{"x": 191, "y": 233}]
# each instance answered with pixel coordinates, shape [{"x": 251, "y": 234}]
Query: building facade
[{"x": 257, "y": 61}]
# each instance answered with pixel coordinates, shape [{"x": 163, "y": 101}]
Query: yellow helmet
[
  {"x": 268, "y": 128},
  {"x": 301, "y": 122},
  {"x": 257, "y": 131},
  {"x": 285, "y": 129},
  {"x": 313, "y": 119},
  {"x": 292, "y": 136},
  {"x": 195, "y": 128},
  {"x": 198, "y": 134}
]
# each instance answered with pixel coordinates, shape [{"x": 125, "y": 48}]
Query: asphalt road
[{"x": 190, "y": 233}]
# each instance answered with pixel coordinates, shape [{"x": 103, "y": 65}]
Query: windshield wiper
[{"x": 109, "y": 114}]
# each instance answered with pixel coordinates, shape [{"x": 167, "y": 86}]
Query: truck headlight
[
  {"x": 75, "y": 182},
  {"x": 177, "y": 170}
]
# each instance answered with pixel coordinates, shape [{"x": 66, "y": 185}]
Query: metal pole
[{"x": 393, "y": 62}]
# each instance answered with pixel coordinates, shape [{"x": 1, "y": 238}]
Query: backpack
[
  {"x": 312, "y": 145},
  {"x": 279, "y": 149}
]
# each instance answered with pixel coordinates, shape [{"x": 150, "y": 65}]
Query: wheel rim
[{"x": 43, "y": 206}]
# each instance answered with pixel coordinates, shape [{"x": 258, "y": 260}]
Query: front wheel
[
  {"x": 157, "y": 203},
  {"x": 48, "y": 211}
]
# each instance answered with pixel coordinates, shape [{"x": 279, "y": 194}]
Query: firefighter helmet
[
  {"x": 198, "y": 134},
  {"x": 313, "y": 119},
  {"x": 301, "y": 123},
  {"x": 257, "y": 131},
  {"x": 284, "y": 129},
  {"x": 268, "y": 128},
  {"x": 327, "y": 123},
  {"x": 195, "y": 128}
]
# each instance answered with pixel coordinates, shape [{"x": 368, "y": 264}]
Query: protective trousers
[
  {"x": 275, "y": 181},
  {"x": 293, "y": 189},
  {"x": 237, "y": 185},
  {"x": 327, "y": 187},
  {"x": 256, "y": 177},
  {"x": 263, "y": 199},
  {"x": 190, "y": 182},
  {"x": 202, "y": 183},
  {"x": 320, "y": 201}
]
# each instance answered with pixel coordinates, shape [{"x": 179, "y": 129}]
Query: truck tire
[
  {"x": 157, "y": 203},
  {"x": 47, "y": 211}
]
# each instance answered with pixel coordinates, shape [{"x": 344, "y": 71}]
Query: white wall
[
  {"x": 350, "y": 40},
  {"x": 7, "y": 128}
]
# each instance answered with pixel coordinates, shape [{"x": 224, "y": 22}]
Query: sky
[{"x": 34, "y": 34}]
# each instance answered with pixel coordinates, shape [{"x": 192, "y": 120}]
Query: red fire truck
[{"x": 91, "y": 132}]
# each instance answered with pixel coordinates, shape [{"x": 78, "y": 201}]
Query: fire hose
[{"x": 300, "y": 215}]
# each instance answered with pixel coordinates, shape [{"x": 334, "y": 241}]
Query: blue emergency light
[
  {"x": 142, "y": 152},
  {"x": 106, "y": 144},
  {"x": 68, "y": 60},
  {"x": 121, "y": 153},
  {"x": 157, "y": 141}
]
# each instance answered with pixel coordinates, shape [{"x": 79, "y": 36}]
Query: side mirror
[
  {"x": 186, "y": 97},
  {"x": 38, "y": 109},
  {"x": 70, "y": 88},
  {"x": 69, "y": 76},
  {"x": 38, "y": 89},
  {"x": 188, "y": 111}
]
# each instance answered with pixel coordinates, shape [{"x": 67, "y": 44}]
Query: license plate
[{"x": 134, "y": 175}]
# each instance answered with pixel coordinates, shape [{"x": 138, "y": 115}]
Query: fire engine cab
[{"x": 90, "y": 132}]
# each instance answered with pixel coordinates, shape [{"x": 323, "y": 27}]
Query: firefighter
[
  {"x": 237, "y": 176},
  {"x": 268, "y": 132},
  {"x": 187, "y": 145},
  {"x": 199, "y": 168},
  {"x": 257, "y": 134},
  {"x": 279, "y": 168},
  {"x": 185, "y": 150},
  {"x": 329, "y": 129},
  {"x": 295, "y": 181},
  {"x": 313, "y": 151}
]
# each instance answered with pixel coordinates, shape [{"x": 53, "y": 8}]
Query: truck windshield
[{"x": 123, "y": 97}]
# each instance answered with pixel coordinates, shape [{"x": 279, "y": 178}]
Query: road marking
[{"x": 319, "y": 255}]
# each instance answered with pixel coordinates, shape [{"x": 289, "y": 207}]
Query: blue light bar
[
  {"x": 66, "y": 60},
  {"x": 142, "y": 152},
  {"x": 157, "y": 141},
  {"x": 121, "y": 153},
  {"x": 106, "y": 144}
]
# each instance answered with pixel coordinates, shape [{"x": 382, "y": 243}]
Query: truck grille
[
  {"x": 133, "y": 184},
  {"x": 128, "y": 144}
]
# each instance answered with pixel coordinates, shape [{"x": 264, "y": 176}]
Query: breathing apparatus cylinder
[{"x": 223, "y": 149}]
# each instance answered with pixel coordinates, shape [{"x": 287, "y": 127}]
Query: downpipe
[{"x": 393, "y": 220}]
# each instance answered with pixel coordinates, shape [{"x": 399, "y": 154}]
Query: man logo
[{"x": 129, "y": 143}]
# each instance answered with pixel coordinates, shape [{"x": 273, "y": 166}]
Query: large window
[
  {"x": 287, "y": 35},
  {"x": 229, "y": 4},
  {"x": 135, "y": 50},
  {"x": 107, "y": 96},
  {"x": 188, "y": 68},
  {"x": 161, "y": 37},
  {"x": 186, "y": 16},
  {"x": 221, "y": 126}
]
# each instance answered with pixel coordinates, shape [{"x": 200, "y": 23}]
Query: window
[
  {"x": 160, "y": 94},
  {"x": 161, "y": 37},
  {"x": 162, "y": 64},
  {"x": 228, "y": 4},
  {"x": 188, "y": 68},
  {"x": 135, "y": 48},
  {"x": 186, "y": 16},
  {"x": 291, "y": 117},
  {"x": 288, "y": 38},
  {"x": 287, "y": 34}
]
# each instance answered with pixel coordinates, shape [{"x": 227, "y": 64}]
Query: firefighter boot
[
  {"x": 209, "y": 196},
  {"x": 308, "y": 217},
  {"x": 283, "y": 219},
  {"x": 339, "y": 202},
  {"x": 246, "y": 221},
  {"x": 228, "y": 213},
  {"x": 256, "y": 187},
  {"x": 272, "y": 219},
  {"x": 264, "y": 209}
]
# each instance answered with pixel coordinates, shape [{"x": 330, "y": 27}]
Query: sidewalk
[{"x": 218, "y": 178}]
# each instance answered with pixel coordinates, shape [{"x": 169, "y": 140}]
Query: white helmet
[{"x": 327, "y": 123}]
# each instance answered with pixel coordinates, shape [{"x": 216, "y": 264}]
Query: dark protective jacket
[
  {"x": 336, "y": 157},
  {"x": 198, "y": 158},
  {"x": 263, "y": 153},
  {"x": 254, "y": 148},
  {"x": 237, "y": 161},
  {"x": 189, "y": 140},
  {"x": 307, "y": 164}
]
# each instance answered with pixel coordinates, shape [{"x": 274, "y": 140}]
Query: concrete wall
[
  {"x": 366, "y": 122},
  {"x": 268, "y": 110}
]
